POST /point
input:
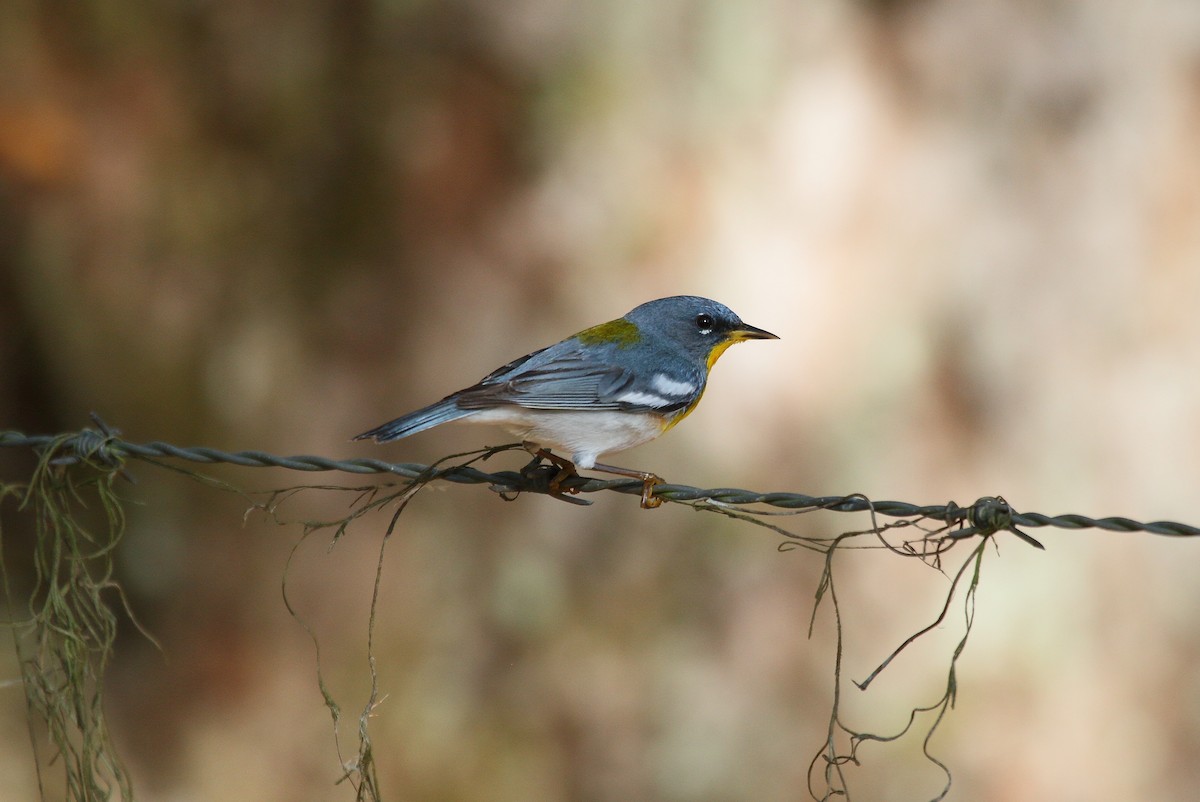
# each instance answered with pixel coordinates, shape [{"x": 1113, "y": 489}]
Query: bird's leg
[
  {"x": 649, "y": 480},
  {"x": 566, "y": 468}
]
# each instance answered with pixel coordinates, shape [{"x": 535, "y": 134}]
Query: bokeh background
[{"x": 975, "y": 226}]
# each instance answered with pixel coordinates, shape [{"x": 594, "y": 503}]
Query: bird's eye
[{"x": 705, "y": 322}]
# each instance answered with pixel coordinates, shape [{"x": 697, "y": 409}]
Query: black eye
[{"x": 705, "y": 322}]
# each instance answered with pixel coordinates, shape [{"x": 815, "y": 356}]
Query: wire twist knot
[{"x": 986, "y": 517}]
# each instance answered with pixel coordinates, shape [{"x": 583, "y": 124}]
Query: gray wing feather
[
  {"x": 563, "y": 377},
  {"x": 565, "y": 384}
]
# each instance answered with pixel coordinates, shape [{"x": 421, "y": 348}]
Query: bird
[{"x": 608, "y": 388}]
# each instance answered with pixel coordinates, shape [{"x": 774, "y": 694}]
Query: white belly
[{"x": 583, "y": 435}]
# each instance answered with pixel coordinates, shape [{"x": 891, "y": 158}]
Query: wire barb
[{"x": 987, "y": 516}]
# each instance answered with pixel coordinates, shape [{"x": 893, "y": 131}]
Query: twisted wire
[{"x": 986, "y": 516}]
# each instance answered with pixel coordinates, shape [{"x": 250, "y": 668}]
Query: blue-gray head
[{"x": 702, "y": 328}]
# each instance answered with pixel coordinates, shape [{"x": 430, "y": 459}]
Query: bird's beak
[{"x": 748, "y": 332}]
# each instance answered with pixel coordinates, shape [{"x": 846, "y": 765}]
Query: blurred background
[{"x": 975, "y": 226}]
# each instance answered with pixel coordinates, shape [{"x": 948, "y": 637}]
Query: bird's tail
[{"x": 443, "y": 411}]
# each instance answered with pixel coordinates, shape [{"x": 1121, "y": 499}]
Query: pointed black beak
[{"x": 748, "y": 332}]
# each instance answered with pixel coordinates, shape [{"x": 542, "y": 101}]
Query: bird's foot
[
  {"x": 649, "y": 481},
  {"x": 566, "y": 471}
]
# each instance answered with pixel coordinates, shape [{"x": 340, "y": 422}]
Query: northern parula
[{"x": 607, "y": 388}]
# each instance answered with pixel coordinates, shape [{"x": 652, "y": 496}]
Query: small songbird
[{"x": 605, "y": 389}]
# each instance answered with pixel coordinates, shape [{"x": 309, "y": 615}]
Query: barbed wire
[
  {"x": 987, "y": 515},
  {"x": 102, "y": 453}
]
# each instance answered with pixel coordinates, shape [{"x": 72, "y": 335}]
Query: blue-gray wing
[{"x": 567, "y": 381}]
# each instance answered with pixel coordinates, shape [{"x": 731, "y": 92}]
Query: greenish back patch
[{"x": 620, "y": 332}]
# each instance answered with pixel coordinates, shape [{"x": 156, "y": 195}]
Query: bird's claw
[
  {"x": 649, "y": 500},
  {"x": 566, "y": 471}
]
